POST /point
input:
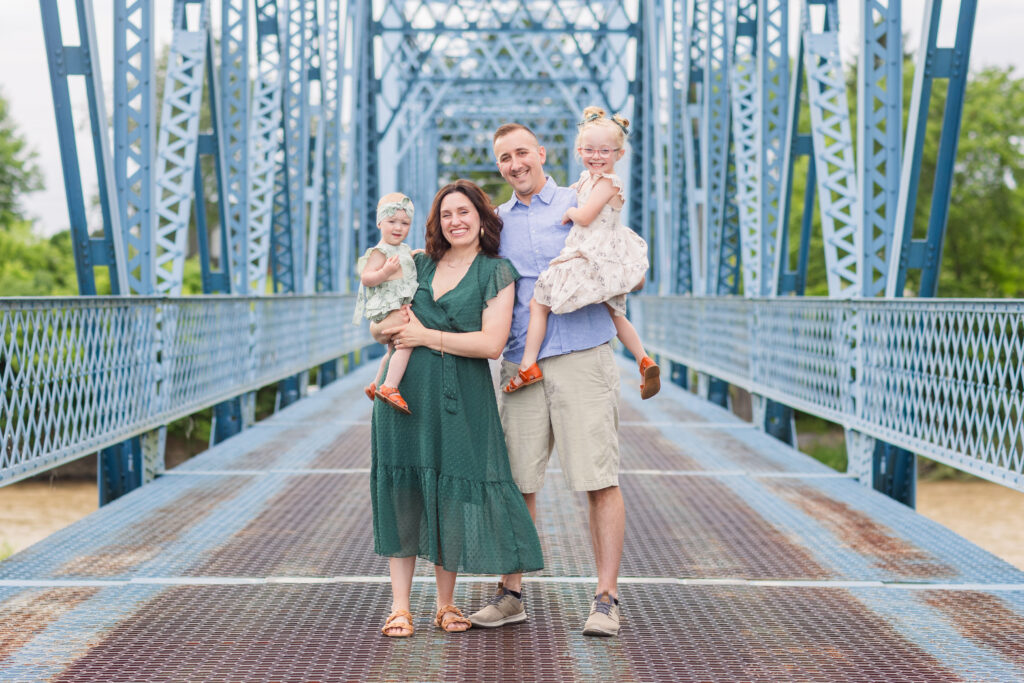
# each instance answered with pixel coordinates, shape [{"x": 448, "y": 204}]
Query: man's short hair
[{"x": 507, "y": 128}]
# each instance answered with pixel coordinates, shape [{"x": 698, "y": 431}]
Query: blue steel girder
[
  {"x": 746, "y": 134},
  {"x": 234, "y": 135},
  {"x": 714, "y": 139},
  {"x": 879, "y": 123},
  {"x": 66, "y": 60},
  {"x": 135, "y": 137},
  {"x": 365, "y": 125},
  {"x": 332, "y": 64},
  {"x": 654, "y": 122},
  {"x": 431, "y": 56},
  {"x": 679, "y": 187},
  {"x": 729, "y": 251},
  {"x": 932, "y": 62},
  {"x": 833, "y": 150},
  {"x": 178, "y": 146},
  {"x": 795, "y": 144},
  {"x": 290, "y": 234},
  {"x": 313, "y": 191},
  {"x": 264, "y": 142},
  {"x": 773, "y": 79}
]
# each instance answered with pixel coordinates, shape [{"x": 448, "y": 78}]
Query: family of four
[{"x": 454, "y": 476}]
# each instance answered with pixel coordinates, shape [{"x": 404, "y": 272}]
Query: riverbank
[{"x": 990, "y": 515}]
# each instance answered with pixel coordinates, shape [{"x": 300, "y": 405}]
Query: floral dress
[
  {"x": 441, "y": 486},
  {"x": 600, "y": 262},
  {"x": 374, "y": 303}
]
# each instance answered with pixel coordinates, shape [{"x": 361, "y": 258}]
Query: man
[{"x": 576, "y": 407}]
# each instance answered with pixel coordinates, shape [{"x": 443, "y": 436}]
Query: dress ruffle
[{"x": 482, "y": 521}]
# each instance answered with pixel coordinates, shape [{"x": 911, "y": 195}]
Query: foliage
[
  {"x": 19, "y": 174},
  {"x": 33, "y": 266},
  {"x": 984, "y": 249}
]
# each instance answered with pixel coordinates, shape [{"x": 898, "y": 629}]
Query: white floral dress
[
  {"x": 374, "y": 303},
  {"x": 600, "y": 262}
]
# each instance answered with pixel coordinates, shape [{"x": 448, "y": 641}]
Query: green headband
[
  {"x": 391, "y": 208},
  {"x": 595, "y": 117}
]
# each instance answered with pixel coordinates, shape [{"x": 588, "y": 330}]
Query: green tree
[
  {"x": 984, "y": 250},
  {"x": 19, "y": 174},
  {"x": 983, "y": 254}
]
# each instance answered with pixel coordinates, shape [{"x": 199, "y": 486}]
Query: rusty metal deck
[{"x": 744, "y": 561}]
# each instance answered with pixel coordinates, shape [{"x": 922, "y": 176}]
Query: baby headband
[
  {"x": 388, "y": 210},
  {"x": 594, "y": 117}
]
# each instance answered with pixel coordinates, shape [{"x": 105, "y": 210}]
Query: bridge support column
[
  {"x": 119, "y": 469},
  {"x": 882, "y": 466},
  {"x": 774, "y": 418},
  {"x": 291, "y": 389},
  {"x": 713, "y": 389},
  {"x": 679, "y": 374},
  {"x": 327, "y": 373},
  {"x": 227, "y": 420},
  {"x": 894, "y": 473}
]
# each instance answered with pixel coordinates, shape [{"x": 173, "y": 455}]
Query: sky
[{"x": 24, "y": 78}]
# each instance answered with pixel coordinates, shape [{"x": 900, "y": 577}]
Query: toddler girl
[
  {"x": 602, "y": 259},
  {"x": 387, "y": 281}
]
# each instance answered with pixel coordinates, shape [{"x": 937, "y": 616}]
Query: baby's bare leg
[{"x": 399, "y": 362}]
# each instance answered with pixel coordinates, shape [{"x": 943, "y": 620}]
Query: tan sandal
[
  {"x": 371, "y": 390},
  {"x": 449, "y": 617},
  {"x": 405, "y": 630},
  {"x": 650, "y": 372},
  {"x": 524, "y": 378}
]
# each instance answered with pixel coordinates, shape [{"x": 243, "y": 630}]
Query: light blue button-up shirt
[{"x": 531, "y": 236}]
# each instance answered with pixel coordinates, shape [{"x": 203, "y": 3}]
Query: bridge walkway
[{"x": 744, "y": 560}]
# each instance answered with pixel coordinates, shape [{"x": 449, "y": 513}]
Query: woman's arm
[
  {"x": 487, "y": 343},
  {"x": 378, "y": 269},
  {"x": 585, "y": 215},
  {"x": 399, "y": 317}
]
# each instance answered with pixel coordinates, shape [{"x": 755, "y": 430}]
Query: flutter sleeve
[{"x": 498, "y": 275}]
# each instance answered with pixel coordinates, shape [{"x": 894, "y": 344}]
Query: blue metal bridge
[{"x": 276, "y": 126}]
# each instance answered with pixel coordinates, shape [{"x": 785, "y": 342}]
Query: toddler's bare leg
[
  {"x": 535, "y": 332},
  {"x": 626, "y": 333}
]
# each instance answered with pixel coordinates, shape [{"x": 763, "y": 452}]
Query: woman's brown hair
[{"x": 490, "y": 224}]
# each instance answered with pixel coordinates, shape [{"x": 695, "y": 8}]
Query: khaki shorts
[{"x": 575, "y": 410}]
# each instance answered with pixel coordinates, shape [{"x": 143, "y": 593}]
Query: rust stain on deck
[
  {"x": 699, "y": 527},
  {"x": 350, "y": 449},
  {"x": 149, "y": 536},
  {"x": 859, "y": 532},
  {"x": 643, "y": 447},
  {"x": 24, "y": 615},
  {"x": 985, "y": 620},
  {"x": 315, "y": 525}
]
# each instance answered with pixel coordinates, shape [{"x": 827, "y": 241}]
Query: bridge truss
[{"x": 283, "y": 120}]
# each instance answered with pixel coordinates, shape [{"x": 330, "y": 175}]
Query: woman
[{"x": 440, "y": 481}]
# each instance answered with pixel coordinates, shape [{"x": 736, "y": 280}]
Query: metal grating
[{"x": 242, "y": 567}]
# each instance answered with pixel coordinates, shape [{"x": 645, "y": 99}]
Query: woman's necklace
[{"x": 453, "y": 264}]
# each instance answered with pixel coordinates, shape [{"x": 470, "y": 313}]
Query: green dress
[{"x": 440, "y": 482}]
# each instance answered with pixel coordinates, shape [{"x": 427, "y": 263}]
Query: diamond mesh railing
[
  {"x": 80, "y": 374},
  {"x": 942, "y": 378}
]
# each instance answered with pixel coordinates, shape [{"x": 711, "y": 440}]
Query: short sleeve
[
  {"x": 365, "y": 258},
  {"x": 616, "y": 183},
  {"x": 498, "y": 274},
  {"x": 422, "y": 261}
]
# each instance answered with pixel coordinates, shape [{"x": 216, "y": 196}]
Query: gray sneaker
[
  {"x": 604, "y": 617},
  {"x": 503, "y": 608}
]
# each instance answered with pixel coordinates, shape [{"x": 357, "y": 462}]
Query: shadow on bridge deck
[{"x": 744, "y": 560}]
